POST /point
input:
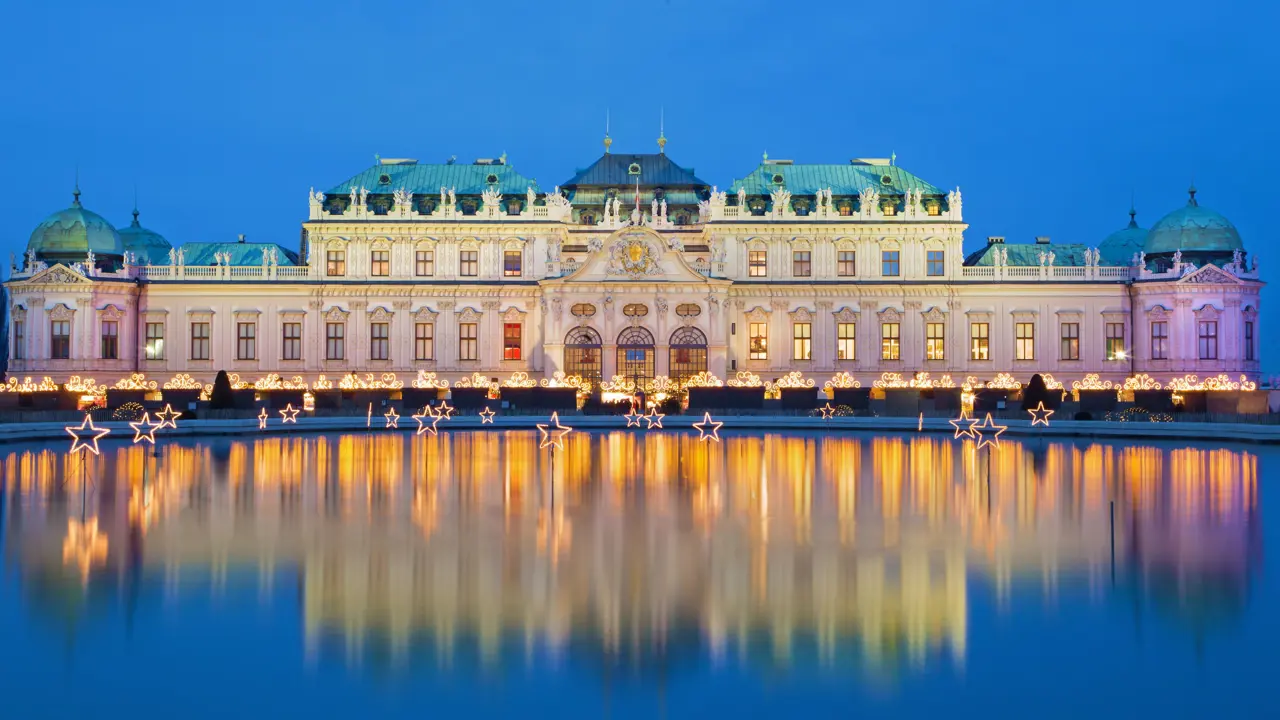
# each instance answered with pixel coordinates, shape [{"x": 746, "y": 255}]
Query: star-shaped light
[
  {"x": 827, "y": 411},
  {"x": 423, "y": 427},
  {"x": 262, "y": 419},
  {"x": 393, "y": 418},
  {"x": 1040, "y": 415},
  {"x": 553, "y": 434},
  {"x": 967, "y": 430},
  {"x": 654, "y": 418},
  {"x": 368, "y": 418},
  {"x": 486, "y": 416},
  {"x": 444, "y": 410},
  {"x": 168, "y": 417},
  {"x": 988, "y": 432},
  {"x": 289, "y": 413},
  {"x": 144, "y": 429},
  {"x": 633, "y": 418},
  {"x": 86, "y": 436},
  {"x": 708, "y": 429}
]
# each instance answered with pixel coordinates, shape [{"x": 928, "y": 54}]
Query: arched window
[
  {"x": 688, "y": 353},
  {"x": 635, "y": 354},
  {"x": 582, "y": 354}
]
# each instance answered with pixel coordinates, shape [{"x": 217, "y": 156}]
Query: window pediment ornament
[
  {"x": 61, "y": 312},
  {"x": 1158, "y": 312},
  {"x": 935, "y": 314},
  {"x": 246, "y": 313},
  {"x": 205, "y": 314},
  {"x": 424, "y": 314},
  {"x": 1070, "y": 314},
  {"x": 381, "y": 243},
  {"x": 758, "y": 314},
  {"x": 801, "y": 243},
  {"x": 468, "y": 315},
  {"x": 846, "y": 243},
  {"x": 801, "y": 314},
  {"x": 514, "y": 243},
  {"x": 469, "y": 243},
  {"x": 846, "y": 315},
  {"x": 1024, "y": 315},
  {"x": 890, "y": 314},
  {"x": 111, "y": 312},
  {"x": 336, "y": 314},
  {"x": 513, "y": 314},
  {"x": 1250, "y": 312},
  {"x": 19, "y": 312},
  {"x": 292, "y": 314},
  {"x": 336, "y": 243},
  {"x": 380, "y": 314},
  {"x": 1208, "y": 312},
  {"x": 979, "y": 314},
  {"x": 426, "y": 243}
]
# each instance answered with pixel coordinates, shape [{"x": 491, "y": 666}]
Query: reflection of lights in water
[{"x": 805, "y": 540}]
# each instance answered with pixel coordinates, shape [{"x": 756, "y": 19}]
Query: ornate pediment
[
  {"x": 1158, "y": 312},
  {"x": 1209, "y": 275},
  {"x": 846, "y": 315},
  {"x": 632, "y": 253},
  {"x": 758, "y": 314},
  {"x": 469, "y": 315},
  {"x": 381, "y": 243},
  {"x": 380, "y": 315},
  {"x": 890, "y": 314},
  {"x": 59, "y": 275},
  {"x": 111, "y": 312},
  {"x": 335, "y": 314},
  {"x": 801, "y": 315},
  {"x": 512, "y": 315},
  {"x": 935, "y": 314},
  {"x": 1208, "y": 312},
  {"x": 61, "y": 312},
  {"x": 424, "y": 314}
]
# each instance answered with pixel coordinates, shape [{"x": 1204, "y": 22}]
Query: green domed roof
[
  {"x": 72, "y": 233},
  {"x": 1119, "y": 247},
  {"x": 1193, "y": 229},
  {"x": 149, "y": 246}
]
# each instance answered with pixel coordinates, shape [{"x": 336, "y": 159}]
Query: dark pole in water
[{"x": 1113, "y": 542}]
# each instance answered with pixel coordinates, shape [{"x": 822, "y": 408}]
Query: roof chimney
[
  {"x": 1042, "y": 239},
  {"x": 995, "y": 240}
]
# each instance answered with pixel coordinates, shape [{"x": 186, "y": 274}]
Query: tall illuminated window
[
  {"x": 110, "y": 340},
  {"x": 291, "y": 341},
  {"x": 468, "y": 263},
  {"x": 846, "y": 263},
  {"x": 1024, "y": 336},
  {"x": 246, "y": 341},
  {"x": 335, "y": 341},
  {"x": 757, "y": 263},
  {"x": 155, "y": 341},
  {"x": 890, "y": 341},
  {"x": 335, "y": 263},
  {"x": 1159, "y": 340},
  {"x": 424, "y": 263},
  {"x": 380, "y": 263},
  {"x": 424, "y": 344},
  {"x": 935, "y": 341},
  {"x": 511, "y": 336},
  {"x": 759, "y": 334},
  {"x": 979, "y": 341},
  {"x": 199, "y": 341},
  {"x": 1208, "y": 339},
  {"x": 1115, "y": 341},
  {"x": 511, "y": 262},
  {"x": 801, "y": 264},
  {"x": 1070, "y": 341},
  {"x": 801, "y": 341},
  {"x": 379, "y": 341},
  {"x": 846, "y": 341},
  {"x": 468, "y": 342}
]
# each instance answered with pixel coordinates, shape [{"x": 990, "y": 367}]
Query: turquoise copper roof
[
  {"x": 586, "y": 198},
  {"x": 1193, "y": 229},
  {"x": 849, "y": 179},
  {"x": 615, "y": 170},
  {"x": 1028, "y": 254},
  {"x": 242, "y": 253},
  {"x": 150, "y": 247},
  {"x": 1119, "y": 247},
  {"x": 70, "y": 234},
  {"x": 421, "y": 179}
]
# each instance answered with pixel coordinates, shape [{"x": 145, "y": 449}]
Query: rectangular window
[
  {"x": 846, "y": 263},
  {"x": 511, "y": 341},
  {"x": 935, "y": 341},
  {"x": 800, "y": 263},
  {"x": 1208, "y": 339},
  {"x": 757, "y": 263},
  {"x": 1070, "y": 341},
  {"x": 935, "y": 263},
  {"x": 511, "y": 263},
  {"x": 110, "y": 340},
  {"x": 60, "y": 339},
  {"x": 1024, "y": 335},
  {"x": 19, "y": 339},
  {"x": 155, "y": 341},
  {"x": 890, "y": 341},
  {"x": 291, "y": 341},
  {"x": 979, "y": 341},
  {"x": 379, "y": 341},
  {"x": 846, "y": 341},
  {"x": 1160, "y": 340},
  {"x": 424, "y": 341},
  {"x": 335, "y": 341},
  {"x": 199, "y": 341},
  {"x": 468, "y": 263},
  {"x": 759, "y": 341},
  {"x": 424, "y": 263},
  {"x": 468, "y": 345},
  {"x": 380, "y": 263},
  {"x": 889, "y": 263},
  {"x": 801, "y": 341},
  {"x": 1248, "y": 341},
  {"x": 246, "y": 341},
  {"x": 335, "y": 263},
  {"x": 1115, "y": 341}
]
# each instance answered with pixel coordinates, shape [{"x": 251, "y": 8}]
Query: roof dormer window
[
  {"x": 633, "y": 169},
  {"x": 384, "y": 179},
  {"x": 491, "y": 179},
  {"x": 777, "y": 178}
]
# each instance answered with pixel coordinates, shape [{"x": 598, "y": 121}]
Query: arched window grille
[
  {"x": 635, "y": 354},
  {"x": 688, "y": 353},
  {"x": 582, "y": 354}
]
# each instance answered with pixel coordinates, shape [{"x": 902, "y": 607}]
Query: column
[
  {"x": 824, "y": 328},
  {"x": 490, "y": 336},
  {"x": 402, "y": 337}
]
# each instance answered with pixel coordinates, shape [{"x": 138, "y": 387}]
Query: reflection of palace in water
[{"x": 835, "y": 548}]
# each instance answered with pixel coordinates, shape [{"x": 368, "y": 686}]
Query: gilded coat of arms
[{"x": 633, "y": 255}]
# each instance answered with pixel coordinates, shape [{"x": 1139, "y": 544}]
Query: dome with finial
[
  {"x": 1119, "y": 247},
  {"x": 68, "y": 236},
  {"x": 1193, "y": 229},
  {"x": 149, "y": 246}
]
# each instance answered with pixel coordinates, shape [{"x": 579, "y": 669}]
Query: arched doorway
[
  {"x": 688, "y": 353},
  {"x": 635, "y": 354},
  {"x": 582, "y": 354}
]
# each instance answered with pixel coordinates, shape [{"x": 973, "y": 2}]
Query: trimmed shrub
[{"x": 222, "y": 398}]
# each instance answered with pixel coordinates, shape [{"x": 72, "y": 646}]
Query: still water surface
[{"x": 794, "y": 575}]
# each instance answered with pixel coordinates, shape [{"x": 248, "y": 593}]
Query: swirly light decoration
[
  {"x": 703, "y": 379},
  {"x": 429, "y": 381},
  {"x": 745, "y": 379},
  {"x": 519, "y": 379},
  {"x": 29, "y": 386},
  {"x": 1004, "y": 381},
  {"x": 85, "y": 386},
  {"x": 275, "y": 382},
  {"x": 1091, "y": 382},
  {"x": 842, "y": 380},
  {"x": 1141, "y": 381},
  {"x": 388, "y": 381},
  {"x": 182, "y": 381},
  {"x": 136, "y": 381}
]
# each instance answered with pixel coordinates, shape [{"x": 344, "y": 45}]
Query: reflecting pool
[{"x": 638, "y": 576}]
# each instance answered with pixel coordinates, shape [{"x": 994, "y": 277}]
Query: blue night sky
[{"x": 1047, "y": 115}]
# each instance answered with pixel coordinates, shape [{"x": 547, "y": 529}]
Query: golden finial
[
  {"x": 662, "y": 135},
  {"x": 607, "y": 140}
]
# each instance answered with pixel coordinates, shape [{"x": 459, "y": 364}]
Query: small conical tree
[
  {"x": 1036, "y": 392},
  {"x": 221, "y": 398}
]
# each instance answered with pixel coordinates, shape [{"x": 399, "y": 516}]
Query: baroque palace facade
[{"x": 635, "y": 267}]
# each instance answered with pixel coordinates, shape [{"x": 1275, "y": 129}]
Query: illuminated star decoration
[
  {"x": 553, "y": 434},
  {"x": 393, "y": 418},
  {"x": 920, "y": 427},
  {"x": 988, "y": 432},
  {"x": 633, "y": 418},
  {"x": 427, "y": 412},
  {"x": 445, "y": 411},
  {"x": 708, "y": 429},
  {"x": 654, "y": 418},
  {"x": 368, "y": 418},
  {"x": 86, "y": 430},
  {"x": 968, "y": 430},
  {"x": 149, "y": 434},
  {"x": 486, "y": 416},
  {"x": 289, "y": 413},
  {"x": 168, "y": 417},
  {"x": 827, "y": 411},
  {"x": 262, "y": 419},
  {"x": 1040, "y": 415}
]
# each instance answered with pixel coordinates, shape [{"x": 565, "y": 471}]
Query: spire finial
[
  {"x": 75, "y": 194},
  {"x": 607, "y": 140},
  {"x": 1133, "y": 212},
  {"x": 662, "y": 135},
  {"x": 135, "y": 205},
  {"x": 1191, "y": 191},
  {"x": 893, "y": 158}
]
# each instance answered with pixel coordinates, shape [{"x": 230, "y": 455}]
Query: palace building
[{"x": 635, "y": 267}]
